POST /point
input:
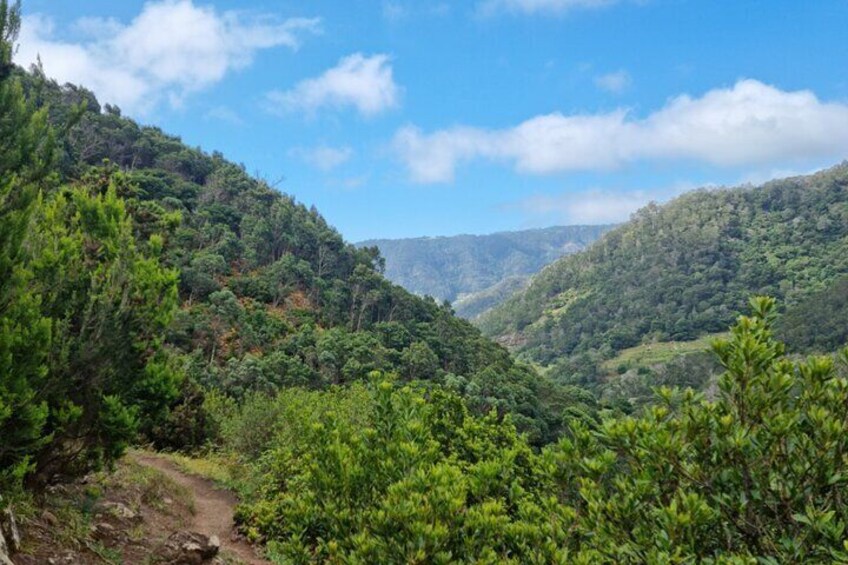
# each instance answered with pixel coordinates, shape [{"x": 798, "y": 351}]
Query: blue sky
[{"x": 401, "y": 118}]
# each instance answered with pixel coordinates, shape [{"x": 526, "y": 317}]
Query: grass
[
  {"x": 146, "y": 486},
  {"x": 658, "y": 353},
  {"x": 209, "y": 467}
]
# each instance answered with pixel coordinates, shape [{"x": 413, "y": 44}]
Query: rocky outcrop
[
  {"x": 10, "y": 536},
  {"x": 189, "y": 548}
]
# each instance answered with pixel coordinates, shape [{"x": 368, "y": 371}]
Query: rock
[
  {"x": 102, "y": 527},
  {"x": 66, "y": 559},
  {"x": 4, "y": 551},
  {"x": 108, "y": 535},
  {"x": 189, "y": 548},
  {"x": 10, "y": 530},
  {"x": 121, "y": 511},
  {"x": 49, "y": 518},
  {"x": 216, "y": 543},
  {"x": 10, "y": 536}
]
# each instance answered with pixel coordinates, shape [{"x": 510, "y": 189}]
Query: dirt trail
[{"x": 213, "y": 507}]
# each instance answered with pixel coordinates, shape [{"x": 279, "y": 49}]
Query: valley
[
  {"x": 476, "y": 273},
  {"x": 197, "y": 366}
]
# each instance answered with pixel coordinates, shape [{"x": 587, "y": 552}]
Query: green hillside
[
  {"x": 681, "y": 270},
  {"x": 459, "y": 268},
  {"x": 152, "y": 294},
  {"x": 149, "y": 273},
  {"x": 819, "y": 322},
  {"x": 473, "y": 305}
]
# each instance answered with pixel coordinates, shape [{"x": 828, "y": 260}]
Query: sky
[{"x": 403, "y": 118}]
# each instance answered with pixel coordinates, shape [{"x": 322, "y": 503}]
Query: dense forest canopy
[
  {"x": 819, "y": 322},
  {"x": 376, "y": 474}
]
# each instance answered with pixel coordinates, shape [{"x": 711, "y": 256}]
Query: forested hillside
[
  {"x": 139, "y": 274},
  {"x": 153, "y": 294},
  {"x": 469, "y": 270},
  {"x": 681, "y": 270},
  {"x": 819, "y": 322}
]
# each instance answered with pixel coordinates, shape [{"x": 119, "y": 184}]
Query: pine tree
[{"x": 26, "y": 153}]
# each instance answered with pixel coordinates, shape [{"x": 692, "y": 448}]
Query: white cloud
[
  {"x": 490, "y": 7},
  {"x": 748, "y": 124},
  {"x": 615, "y": 83},
  {"x": 586, "y": 208},
  {"x": 592, "y": 207},
  {"x": 170, "y": 50},
  {"x": 365, "y": 83},
  {"x": 323, "y": 157}
]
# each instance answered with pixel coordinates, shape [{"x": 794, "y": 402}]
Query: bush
[{"x": 382, "y": 474}]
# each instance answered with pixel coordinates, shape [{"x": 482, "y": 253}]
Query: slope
[
  {"x": 455, "y": 268},
  {"x": 270, "y": 295},
  {"x": 677, "y": 271}
]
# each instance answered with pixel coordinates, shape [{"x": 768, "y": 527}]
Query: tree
[
  {"x": 757, "y": 475},
  {"x": 110, "y": 301},
  {"x": 419, "y": 361},
  {"x": 26, "y": 153}
]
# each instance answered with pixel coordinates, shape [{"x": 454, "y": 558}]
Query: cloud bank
[
  {"x": 364, "y": 83},
  {"x": 173, "y": 48},
  {"x": 750, "y": 123}
]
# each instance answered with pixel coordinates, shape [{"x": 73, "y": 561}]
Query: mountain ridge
[
  {"x": 456, "y": 268},
  {"x": 677, "y": 271}
]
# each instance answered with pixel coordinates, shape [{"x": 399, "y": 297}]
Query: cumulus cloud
[
  {"x": 365, "y": 83},
  {"x": 748, "y": 124},
  {"x": 490, "y": 7},
  {"x": 615, "y": 83},
  {"x": 171, "y": 49},
  {"x": 323, "y": 157}
]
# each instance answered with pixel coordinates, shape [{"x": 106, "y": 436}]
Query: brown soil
[
  {"x": 77, "y": 524},
  {"x": 213, "y": 508}
]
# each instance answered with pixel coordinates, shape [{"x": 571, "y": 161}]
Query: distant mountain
[
  {"x": 685, "y": 269},
  {"x": 476, "y": 272},
  {"x": 474, "y": 304}
]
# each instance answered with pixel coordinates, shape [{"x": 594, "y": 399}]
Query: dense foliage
[
  {"x": 25, "y": 155},
  {"x": 818, "y": 322},
  {"x": 151, "y": 290},
  {"x": 83, "y": 303},
  {"x": 381, "y": 475},
  {"x": 138, "y": 274},
  {"x": 680, "y": 270},
  {"x": 467, "y": 270},
  {"x": 272, "y": 296},
  {"x": 109, "y": 301}
]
